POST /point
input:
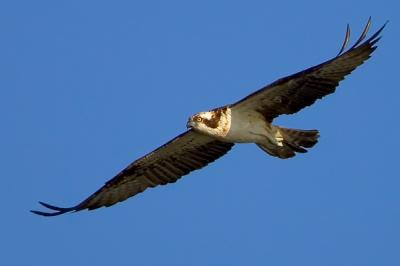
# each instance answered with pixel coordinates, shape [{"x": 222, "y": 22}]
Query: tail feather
[
  {"x": 292, "y": 141},
  {"x": 294, "y": 146},
  {"x": 299, "y": 137}
]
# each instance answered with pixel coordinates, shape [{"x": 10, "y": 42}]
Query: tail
[{"x": 290, "y": 141}]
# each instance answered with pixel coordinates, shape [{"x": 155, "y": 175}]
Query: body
[
  {"x": 250, "y": 126},
  {"x": 234, "y": 126}
]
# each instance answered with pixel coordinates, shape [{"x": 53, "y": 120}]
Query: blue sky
[{"x": 89, "y": 86}]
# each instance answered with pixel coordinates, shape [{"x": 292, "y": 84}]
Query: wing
[
  {"x": 291, "y": 94},
  {"x": 185, "y": 153}
]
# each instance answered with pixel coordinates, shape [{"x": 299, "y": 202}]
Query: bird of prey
[{"x": 212, "y": 134}]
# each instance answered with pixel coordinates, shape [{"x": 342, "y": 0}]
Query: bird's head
[{"x": 215, "y": 122}]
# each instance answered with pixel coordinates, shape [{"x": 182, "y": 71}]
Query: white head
[{"x": 215, "y": 122}]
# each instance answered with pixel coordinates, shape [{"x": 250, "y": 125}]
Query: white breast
[{"x": 247, "y": 127}]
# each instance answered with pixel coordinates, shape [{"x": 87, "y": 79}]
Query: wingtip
[
  {"x": 373, "y": 39},
  {"x": 58, "y": 210},
  {"x": 54, "y": 208},
  {"x": 346, "y": 40},
  {"x": 43, "y": 213},
  {"x": 384, "y": 25}
]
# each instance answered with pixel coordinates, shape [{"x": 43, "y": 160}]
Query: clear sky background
[{"x": 86, "y": 87}]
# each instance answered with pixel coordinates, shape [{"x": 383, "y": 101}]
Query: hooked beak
[{"x": 190, "y": 123}]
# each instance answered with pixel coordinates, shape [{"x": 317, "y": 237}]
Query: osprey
[{"x": 212, "y": 134}]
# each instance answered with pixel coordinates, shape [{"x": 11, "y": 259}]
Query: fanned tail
[{"x": 291, "y": 141}]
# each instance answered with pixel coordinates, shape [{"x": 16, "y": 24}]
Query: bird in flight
[{"x": 212, "y": 134}]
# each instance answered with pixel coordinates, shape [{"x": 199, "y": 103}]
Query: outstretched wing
[
  {"x": 291, "y": 94},
  {"x": 185, "y": 153}
]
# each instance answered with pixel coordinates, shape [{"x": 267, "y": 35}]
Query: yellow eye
[{"x": 199, "y": 119}]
